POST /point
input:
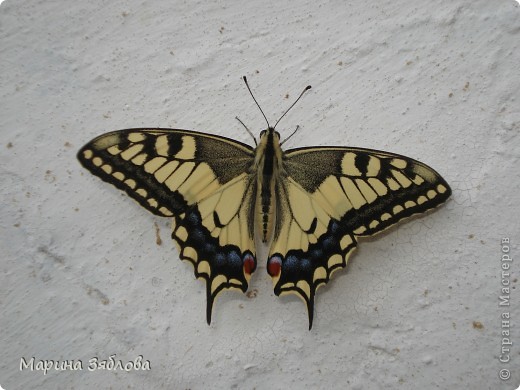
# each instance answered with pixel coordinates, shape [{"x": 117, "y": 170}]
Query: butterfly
[{"x": 311, "y": 204}]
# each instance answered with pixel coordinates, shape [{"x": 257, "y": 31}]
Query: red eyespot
[
  {"x": 249, "y": 264},
  {"x": 274, "y": 266}
]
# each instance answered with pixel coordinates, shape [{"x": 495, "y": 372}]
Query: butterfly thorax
[{"x": 268, "y": 159}]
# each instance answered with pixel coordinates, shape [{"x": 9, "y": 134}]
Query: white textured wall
[{"x": 82, "y": 275}]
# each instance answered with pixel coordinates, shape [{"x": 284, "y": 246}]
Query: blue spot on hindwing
[
  {"x": 235, "y": 259},
  {"x": 290, "y": 263},
  {"x": 220, "y": 260},
  {"x": 193, "y": 218},
  {"x": 315, "y": 253},
  {"x": 329, "y": 244},
  {"x": 305, "y": 265}
]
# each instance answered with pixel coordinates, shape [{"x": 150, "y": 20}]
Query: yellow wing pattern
[
  {"x": 329, "y": 196},
  {"x": 200, "y": 181}
]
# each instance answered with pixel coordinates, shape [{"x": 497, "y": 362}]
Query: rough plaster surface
[{"x": 82, "y": 274}]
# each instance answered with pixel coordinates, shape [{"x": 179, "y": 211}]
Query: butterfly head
[
  {"x": 268, "y": 142},
  {"x": 269, "y": 132}
]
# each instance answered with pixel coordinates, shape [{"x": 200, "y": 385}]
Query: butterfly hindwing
[
  {"x": 217, "y": 238},
  {"x": 328, "y": 197},
  {"x": 198, "y": 179}
]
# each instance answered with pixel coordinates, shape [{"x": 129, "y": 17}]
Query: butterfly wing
[
  {"x": 198, "y": 179},
  {"x": 329, "y": 196}
]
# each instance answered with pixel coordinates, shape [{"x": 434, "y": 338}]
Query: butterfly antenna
[
  {"x": 292, "y": 105},
  {"x": 258, "y": 105},
  {"x": 294, "y": 132},
  {"x": 249, "y": 131}
]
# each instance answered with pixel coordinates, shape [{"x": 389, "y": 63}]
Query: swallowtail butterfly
[{"x": 312, "y": 204}]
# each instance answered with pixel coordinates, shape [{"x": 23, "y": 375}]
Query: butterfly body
[
  {"x": 268, "y": 156},
  {"x": 312, "y": 204}
]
